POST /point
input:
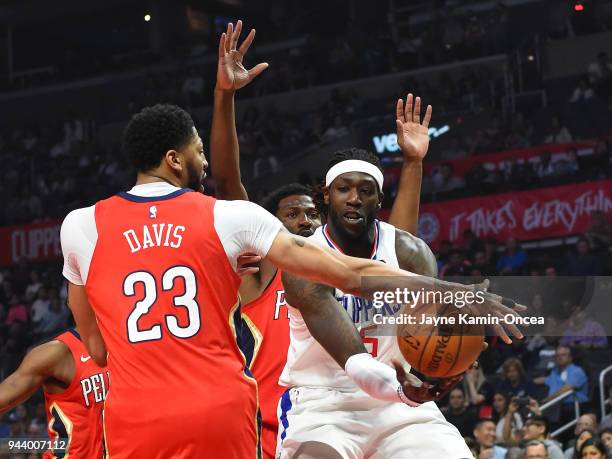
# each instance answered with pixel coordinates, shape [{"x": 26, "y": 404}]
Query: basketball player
[
  {"x": 323, "y": 413},
  {"x": 265, "y": 337},
  {"x": 152, "y": 283},
  {"x": 74, "y": 388}
]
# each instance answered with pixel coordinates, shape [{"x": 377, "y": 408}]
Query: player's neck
[
  {"x": 360, "y": 247},
  {"x": 156, "y": 176}
]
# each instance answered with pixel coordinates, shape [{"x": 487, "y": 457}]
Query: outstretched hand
[
  {"x": 412, "y": 134},
  {"x": 231, "y": 74}
]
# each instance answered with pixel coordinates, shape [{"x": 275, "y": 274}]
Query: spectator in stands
[
  {"x": 56, "y": 318},
  {"x": 459, "y": 413},
  {"x": 484, "y": 433},
  {"x": 33, "y": 287},
  {"x": 599, "y": 164},
  {"x": 456, "y": 265},
  {"x": 564, "y": 377},
  {"x": 17, "y": 311},
  {"x": 593, "y": 449},
  {"x": 536, "y": 449},
  {"x": 515, "y": 380},
  {"x": 509, "y": 427},
  {"x": 600, "y": 73},
  {"x": 537, "y": 428},
  {"x": 582, "y": 92},
  {"x": 599, "y": 232},
  {"x": 478, "y": 390},
  {"x": 606, "y": 437},
  {"x": 513, "y": 260},
  {"x": 558, "y": 132},
  {"x": 480, "y": 262},
  {"x": 582, "y": 262},
  {"x": 573, "y": 452},
  {"x": 583, "y": 331},
  {"x": 336, "y": 130},
  {"x": 39, "y": 309},
  {"x": 501, "y": 401},
  {"x": 444, "y": 180}
]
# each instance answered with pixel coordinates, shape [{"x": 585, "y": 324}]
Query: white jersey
[{"x": 308, "y": 364}]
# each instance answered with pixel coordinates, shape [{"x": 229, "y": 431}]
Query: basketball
[{"x": 440, "y": 350}]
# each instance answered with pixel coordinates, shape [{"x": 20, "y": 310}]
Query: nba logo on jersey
[{"x": 153, "y": 212}]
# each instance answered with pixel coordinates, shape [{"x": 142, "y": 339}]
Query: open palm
[
  {"x": 231, "y": 74},
  {"x": 412, "y": 135}
]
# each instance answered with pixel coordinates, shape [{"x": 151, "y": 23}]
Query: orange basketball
[{"x": 444, "y": 349}]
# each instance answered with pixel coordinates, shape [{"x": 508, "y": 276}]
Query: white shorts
[{"x": 358, "y": 426}]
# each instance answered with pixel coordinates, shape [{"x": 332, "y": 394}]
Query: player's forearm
[
  {"x": 405, "y": 210},
  {"x": 14, "y": 390},
  {"x": 224, "y": 148}
]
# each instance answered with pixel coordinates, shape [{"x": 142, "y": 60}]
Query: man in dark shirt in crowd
[{"x": 459, "y": 414}]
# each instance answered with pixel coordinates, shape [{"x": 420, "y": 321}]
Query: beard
[
  {"x": 355, "y": 232},
  {"x": 195, "y": 178}
]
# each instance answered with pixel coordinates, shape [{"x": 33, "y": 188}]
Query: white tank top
[{"x": 308, "y": 364}]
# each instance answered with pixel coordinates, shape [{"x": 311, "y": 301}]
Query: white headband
[{"x": 354, "y": 165}]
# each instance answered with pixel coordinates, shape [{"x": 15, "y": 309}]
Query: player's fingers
[
  {"x": 247, "y": 259},
  {"x": 399, "y": 110},
  {"x": 408, "y": 109},
  {"x": 485, "y": 345},
  {"x": 222, "y": 45},
  {"x": 416, "y": 117},
  {"x": 257, "y": 69},
  {"x": 499, "y": 331},
  {"x": 400, "y": 127},
  {"x": 427, "y": 118},
  {"x": 246, "y": 44},
  {"x": 228, "y": 35},
  {"x": 236, "y": 34}
]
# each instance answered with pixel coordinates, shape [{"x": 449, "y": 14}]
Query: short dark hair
[
  {"x": 270, "y": 202},
  {"x": 482, "y": 421},
  {"x": 540, "y": 420},
  {"x": 153, "y": 131},
  {"x": 354, "y": 153}
]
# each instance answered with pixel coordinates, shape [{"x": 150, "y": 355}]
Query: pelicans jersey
[
  {"x": 308, "y": 364},
  {"x": 266, "y": 337},
  {"x": 162, "y": 282},
  {"x": 75, "y": 415}
]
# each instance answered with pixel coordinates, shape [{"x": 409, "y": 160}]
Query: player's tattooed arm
[
  {"x": 325, "y": 318},
  {"x": 414, "y": 255},
  {"x": 224, "y": 147},
  {"x": 39, "y": 364}
]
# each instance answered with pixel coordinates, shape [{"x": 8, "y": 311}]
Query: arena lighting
[
  {"x": 578, "y": 7},
  {"x": 530, "y": 57},
  {"x": 147, "y": 17}
]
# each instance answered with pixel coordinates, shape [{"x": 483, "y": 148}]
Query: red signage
[
  {"x": 528, "y": 215},
  {"x": 38, "y": 241}
]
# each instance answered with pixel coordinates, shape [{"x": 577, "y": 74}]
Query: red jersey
[
  {"x": 165, "y": 297},
  {"x": 266, "y": 320},
  {"x": 75, "y": 415}
]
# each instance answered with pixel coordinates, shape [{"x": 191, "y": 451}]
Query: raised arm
[
  {"x": 231, "y": 76},
  {"x": 37, "y": 366},
  {"x": 413, "y": 139}
]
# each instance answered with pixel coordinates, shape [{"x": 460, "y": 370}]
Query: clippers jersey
[
  {"x": 75, "y": 415},
  {"x": 166, "y": 300},
  {"x": 266, "y": 336},
  {"x": 308, "y": 364}
]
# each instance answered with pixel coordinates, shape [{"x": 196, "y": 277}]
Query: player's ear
[
  {"x": 381, "y": 197},
  {"x": 174, "y": 160}
]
